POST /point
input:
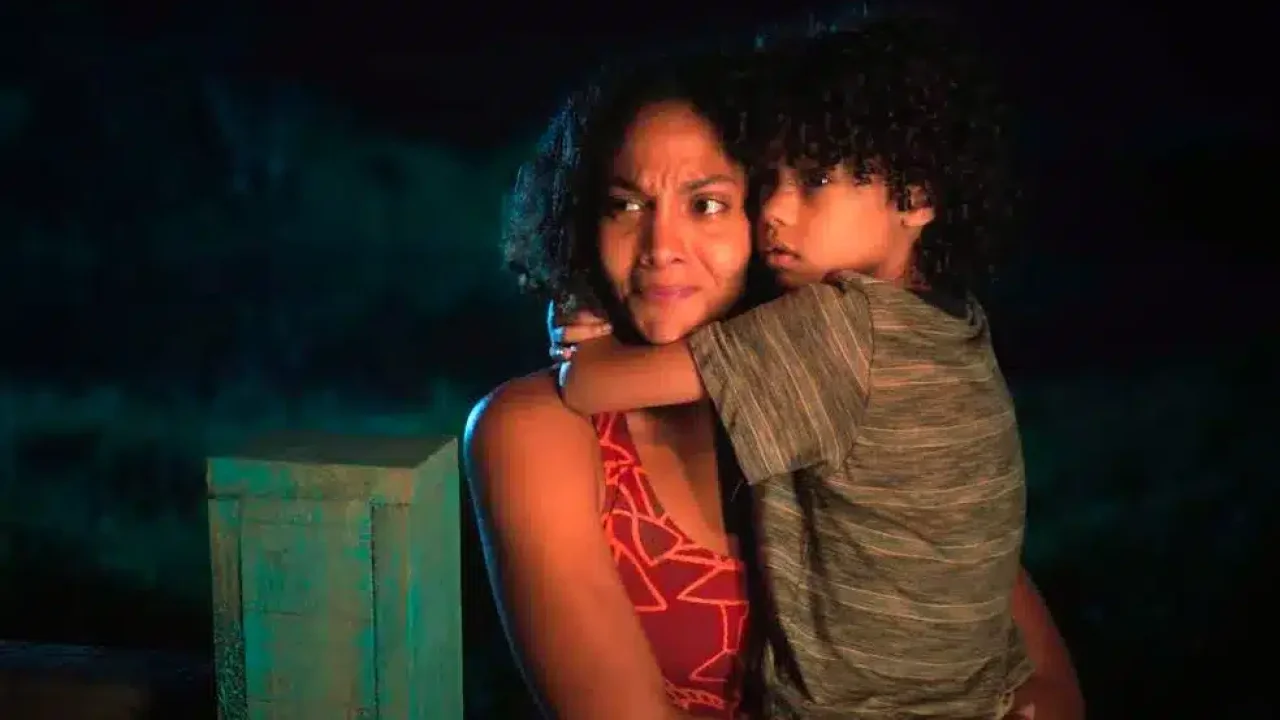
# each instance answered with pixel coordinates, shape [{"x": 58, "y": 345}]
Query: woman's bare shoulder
[
  {"x": 532, "y": 394},
  {"x": 525, "y": 414}
]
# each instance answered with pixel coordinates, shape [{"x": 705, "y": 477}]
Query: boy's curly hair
[
  {"x": 551, "y": 217},
  {"x": 909, "y": 100}
]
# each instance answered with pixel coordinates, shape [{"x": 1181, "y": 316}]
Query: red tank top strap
[{"x": 623, "y": 475}]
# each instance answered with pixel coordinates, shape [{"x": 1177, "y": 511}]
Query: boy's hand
[{"x": 568, "y": 326}]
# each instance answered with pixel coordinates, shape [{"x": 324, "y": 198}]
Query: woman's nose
[{"x": 666, "y": 240}]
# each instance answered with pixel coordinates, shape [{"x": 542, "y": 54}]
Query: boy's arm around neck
[{"x": 607, "y": 376}]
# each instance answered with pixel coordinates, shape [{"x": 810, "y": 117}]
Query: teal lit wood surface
[{"x": 337, "y": 579}]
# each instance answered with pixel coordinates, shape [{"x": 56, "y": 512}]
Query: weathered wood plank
[
  {"x": 228, "y": 630},
  {"x": 299, "y": 660},
  {"x": 373, "y": 451},
  {"x": 326, "y": 467},
  {"x": 321, "y": 567},
  {"x": 395, "y": 604},
  {"x": 436, "y": 624}
]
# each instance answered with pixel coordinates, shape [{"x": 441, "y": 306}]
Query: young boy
[{"x": 866, "y": 403}]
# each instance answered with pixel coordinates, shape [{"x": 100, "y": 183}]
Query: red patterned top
[{"x": 692, "y": 601}]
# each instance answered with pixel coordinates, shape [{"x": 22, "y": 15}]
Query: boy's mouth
[{"x": 778, "y": 256}]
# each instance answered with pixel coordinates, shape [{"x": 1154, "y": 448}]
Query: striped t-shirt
[{"x": 882, "y": 440}]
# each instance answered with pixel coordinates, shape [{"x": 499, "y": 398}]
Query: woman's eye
[
  {"x": 619, "y": 205},
  {"x": 709, "y": 206}
]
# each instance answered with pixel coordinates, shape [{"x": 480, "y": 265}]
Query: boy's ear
[{"x": 919, "y": 210}]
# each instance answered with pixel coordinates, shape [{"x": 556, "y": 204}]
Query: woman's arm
[
  {"x": 534, "y": 469},
  {"x": 1053, "y": 690}
]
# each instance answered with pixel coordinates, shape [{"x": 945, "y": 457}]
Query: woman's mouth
[{"x": 667, "y": 293}]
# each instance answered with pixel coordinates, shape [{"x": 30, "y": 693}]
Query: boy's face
[{"x": 818, "y": 221}]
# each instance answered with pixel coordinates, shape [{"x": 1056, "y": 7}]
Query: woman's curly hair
[
  {"x": 909, "y": 100},
  {"x": 551, "y": 217}
]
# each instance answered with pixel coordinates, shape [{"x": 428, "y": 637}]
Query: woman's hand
[
  {"x": 1025, "y": 712},
  {"x": 1053, "y": 692},
  {"x": 567, "y": 326}
]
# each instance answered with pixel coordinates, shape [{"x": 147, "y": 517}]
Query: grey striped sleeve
[{"x": 789, "y": 378}]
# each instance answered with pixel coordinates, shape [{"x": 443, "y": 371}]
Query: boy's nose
[{"x": 780, "y": 207}]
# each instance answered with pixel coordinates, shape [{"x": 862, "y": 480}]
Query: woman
[
  {"x": 649, "y": 614},
  {"x": 636, "y": 200}
]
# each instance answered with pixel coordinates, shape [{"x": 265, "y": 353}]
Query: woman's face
[{"x": 675, "y": 239}]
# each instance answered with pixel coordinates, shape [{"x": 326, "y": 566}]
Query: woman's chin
[
  {"x": 660, "y": 332},
  {"x": 667, "y": 323}
]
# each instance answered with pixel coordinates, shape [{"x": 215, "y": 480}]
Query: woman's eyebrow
[
  {"x": 695, "y": 185},
  {"x": 620, "y": 183},
  {"x": 691, "y": 186}
]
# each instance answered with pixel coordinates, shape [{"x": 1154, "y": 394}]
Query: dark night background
[{"x": 218, "y": 221}]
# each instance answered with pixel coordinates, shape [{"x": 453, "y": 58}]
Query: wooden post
[{"x": 336, "y": 579}]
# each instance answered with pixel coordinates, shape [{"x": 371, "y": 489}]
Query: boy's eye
[{"x": 816, "y": 178}]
